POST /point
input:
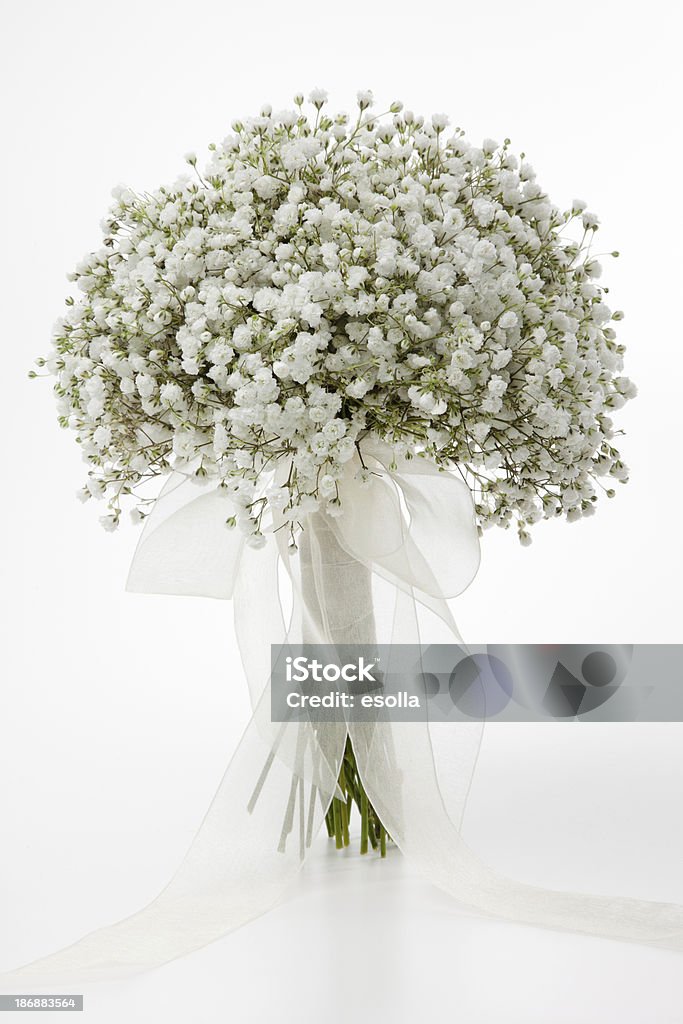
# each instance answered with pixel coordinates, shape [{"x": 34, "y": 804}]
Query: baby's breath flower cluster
[{"x": 325, "y": 279}]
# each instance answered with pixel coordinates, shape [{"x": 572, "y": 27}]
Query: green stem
[
  {"x": 338, "y": 837},
  {"x": 339, "y": 814},
  {"x": 364, "y": 822},
  {"x": 343, "y": 807}
]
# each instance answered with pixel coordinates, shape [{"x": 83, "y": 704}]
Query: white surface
[
  {"x": 358, "y": 931},
  {"x": 95, "y": 755},
  {"x": 357, "y": 941}
]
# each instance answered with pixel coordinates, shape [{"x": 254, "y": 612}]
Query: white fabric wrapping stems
[{"x": 382, "y": 572}]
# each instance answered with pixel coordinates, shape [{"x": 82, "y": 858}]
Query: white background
[{"x": 118, "y": 711}]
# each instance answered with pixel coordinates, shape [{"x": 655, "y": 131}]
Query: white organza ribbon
[{"x": 382, "y": 572}]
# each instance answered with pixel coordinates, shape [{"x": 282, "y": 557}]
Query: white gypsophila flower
[
  {"x": 318, "y": 97},
  {"x": 329, "y": 278}
]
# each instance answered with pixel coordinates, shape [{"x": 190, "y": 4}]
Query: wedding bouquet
[
  {"x": 327, "y": 284},
  {"x": 350, "y": 345}
]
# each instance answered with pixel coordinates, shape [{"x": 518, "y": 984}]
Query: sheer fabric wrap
[{"x": 381, "y": 572}]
